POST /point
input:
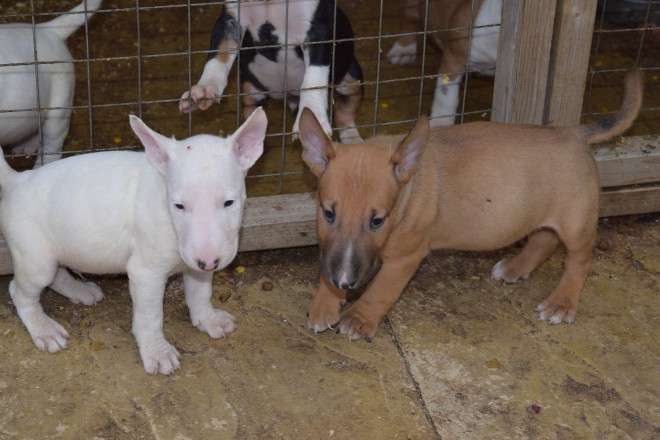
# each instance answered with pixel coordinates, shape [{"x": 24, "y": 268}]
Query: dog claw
[
  {"x": 163, "y": 361},
  {"x": 557, "y": 317},
  {"x": 319, "y": 329},
  {"x": 216, "y": 323}
]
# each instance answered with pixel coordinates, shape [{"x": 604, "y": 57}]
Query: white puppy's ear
[
  {"x": 317, "y": 146},
  {"x": 155, "y": 144},
  {"x": 406, "y": 157},
  {"x": 249, "y": 138}
]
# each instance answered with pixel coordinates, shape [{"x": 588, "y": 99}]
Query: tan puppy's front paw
[
  {"x": 323, "y": 312},
  {"x": 557, "y": 308},
  {"x": 356, "y": 324}
]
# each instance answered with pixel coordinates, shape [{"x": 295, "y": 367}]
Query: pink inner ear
[
  {"x": 155, "y": 144},
  {"x": 250, "y": 137},
  {"x": 249, "y": 144}
]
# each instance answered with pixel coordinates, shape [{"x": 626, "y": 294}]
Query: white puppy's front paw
[
  {"x": 161, "y": 358},
  {"x": 47, "y": 334},
  {"x": 400, "y": 54},
  {"x": 217, "y": 323}
]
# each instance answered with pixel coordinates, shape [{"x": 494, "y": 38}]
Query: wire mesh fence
[{"x": 140, "y": 56}]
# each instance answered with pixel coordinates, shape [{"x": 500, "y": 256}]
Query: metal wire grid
[
  {"x": 647, "y": 35},
  {"x": 379, "y": 81}
]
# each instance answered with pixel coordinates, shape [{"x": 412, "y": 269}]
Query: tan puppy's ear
[
  {"x": 317, "y": 146},
  {"x": 407, "y": 154}
]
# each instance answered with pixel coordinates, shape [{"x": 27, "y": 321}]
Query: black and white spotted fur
[{"x": 286, "y": 52}]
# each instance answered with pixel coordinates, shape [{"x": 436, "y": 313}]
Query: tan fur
[
  {"x": 447, "y": 24},
  {"x": 478, "y": 186}
]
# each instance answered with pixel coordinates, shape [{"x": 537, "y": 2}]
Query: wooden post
[
  {"x": 569, "y": 63},
  {"x": 542, "y": 61},
  {"x": 523, "y": 61}
]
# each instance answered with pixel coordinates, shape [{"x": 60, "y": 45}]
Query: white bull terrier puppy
[
  {"x": 177, "y": 208},
  {"x": 19, "y": 121}
]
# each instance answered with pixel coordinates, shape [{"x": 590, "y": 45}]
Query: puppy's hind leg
[
  {"x": 77, "y": 291},
  {"x": 562, "y": 303},
  {"x": 540, "y": 245},
  {"x": 348, "y": 97},
  {"x": 25, "y": 290}
]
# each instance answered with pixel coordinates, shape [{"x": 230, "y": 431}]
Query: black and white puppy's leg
[
  {"x": 225, "y": 41},
  {"x": 347, "y": 99},
  {"x": 317, "y": 55}
]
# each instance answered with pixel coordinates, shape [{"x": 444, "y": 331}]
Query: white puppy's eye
[
  {"x": 179, "y": 206},
  {"x": 228, "y": 203}
]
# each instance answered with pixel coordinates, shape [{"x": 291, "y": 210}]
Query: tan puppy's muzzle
[{"x": 348, "y": 265}]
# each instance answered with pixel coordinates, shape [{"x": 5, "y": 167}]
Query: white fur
[
  {"x": 402, "y": 54},
  {"x": 149, "y": 215},
  {"x": 445, "y": 100},
  {"x": 19, "y": 128},
  {"x": 314, "y": 95},
  {"x": 483, "y": 56}
]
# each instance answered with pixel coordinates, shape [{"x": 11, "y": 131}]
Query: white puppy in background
[{"x": 20, "y": 123}]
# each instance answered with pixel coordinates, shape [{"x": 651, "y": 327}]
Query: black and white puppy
[{"x": 287, "y": 51}]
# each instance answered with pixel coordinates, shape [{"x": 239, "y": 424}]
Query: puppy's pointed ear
[
  {"x": 317, "y": 146},
  {"x": 249, "y": 138},
  {"x": 406, "y": 157},
  {"x": 156, "y": 145}
]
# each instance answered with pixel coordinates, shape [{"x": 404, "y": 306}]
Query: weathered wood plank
[
  {"x": 632, "y": 161},
  {"x": 6, "y": 266},
  {"x": 289, "y": 221},
  {"x": 524, "y": 56},
  {"x": 628, "y": 201},
  {"x": 571, "y": 45},
  {"x": 279, "y": 221}
]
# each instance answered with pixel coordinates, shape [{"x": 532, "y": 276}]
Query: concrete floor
[{"x": 460, "y": 356}]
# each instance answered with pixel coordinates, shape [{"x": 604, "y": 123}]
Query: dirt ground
[{"x": 460, "y": 356}]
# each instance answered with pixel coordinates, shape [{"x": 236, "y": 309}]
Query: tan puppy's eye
[
  {"x": 329, "y": 215},
  {"x": 376, "y": 222}
]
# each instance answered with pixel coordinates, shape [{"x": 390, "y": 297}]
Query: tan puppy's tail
[{"x": 622, "y": 120}]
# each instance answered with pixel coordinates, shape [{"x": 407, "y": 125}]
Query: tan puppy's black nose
[{"x": 344, "y": 283}]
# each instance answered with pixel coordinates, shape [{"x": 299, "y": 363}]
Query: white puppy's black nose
[{"x": 204, "y": 265}]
